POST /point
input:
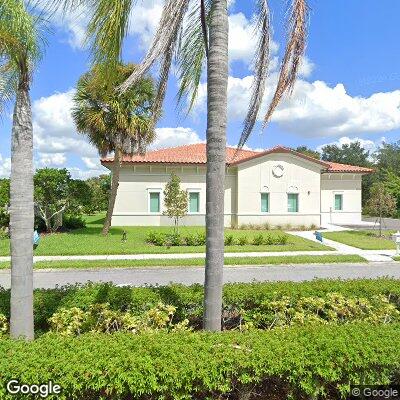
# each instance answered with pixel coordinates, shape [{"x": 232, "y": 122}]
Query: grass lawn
[
  {"x": 397, "y": 258},
  {"x": 365, "y": 240},
  {"x": 231, "y": 261},
  {"x": 90, "y": 241}
]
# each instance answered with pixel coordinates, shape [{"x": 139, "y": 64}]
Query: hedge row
[
  {"x": 299, "y": 363},
  {"x": 188, "y": 300}
]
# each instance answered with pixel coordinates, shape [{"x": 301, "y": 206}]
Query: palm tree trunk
[
  {"x": 217, "y": 71},
  {"x": 22, "y": 217},
  {"x": 113, "y": 192}
]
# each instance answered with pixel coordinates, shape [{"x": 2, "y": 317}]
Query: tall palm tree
[
  {"x": 194, "y": 30},
  {"x": 19, "y": 51},
  {"x": 114, "y": 123}
]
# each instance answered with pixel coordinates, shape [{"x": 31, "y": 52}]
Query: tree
[
  {"x": 195, "y": 31},
  {"x": 4, "y": 202},
  {"x": 392, "y": 184},
  {"x": 100, "y": 191},
  {"x": 175, "y": 200},
  {"x": 308, "y": 152},
  {"x": 353, "y": 154},
  {"x": 20, "y": 51},
  {"x": 113, "y": 122},
  {"x": 388, "y": 157},
  {"x": 381, "y": 203},
  {"x": 51, "y": 195}
]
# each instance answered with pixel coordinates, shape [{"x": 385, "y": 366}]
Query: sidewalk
[{"x": 370, "y": 255}]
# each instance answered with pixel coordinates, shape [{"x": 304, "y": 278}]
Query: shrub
[
  {"x": 173, "y": 239},
  {"x": 298, "y": 363},
  {"x": 229, "y": 240},
  {"x": 242, "y": 241},
  {"x": 201, "y": 238},
  {"x": 101, "y": 319},
  {"x": 73, "y": 222},
  {"x": 258, "y": 240},
  {"x": 156, "y": 238},
  {"x": 190, "y": 240}
]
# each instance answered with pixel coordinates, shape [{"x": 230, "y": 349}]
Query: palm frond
[
  {"x": 192, "y": 52},
  {"x": 107, "y": 30},
  {"x": 260, "y": 70},
  {"x": 168, "y": 28},
  {"x": 294, "y": 52}
]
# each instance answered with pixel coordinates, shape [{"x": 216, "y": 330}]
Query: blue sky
[{"x": 349, "y": 86}]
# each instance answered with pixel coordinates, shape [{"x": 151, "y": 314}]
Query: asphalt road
[
  {"x": 388, "y": 223},
  {"x": 191, "y": 275}
]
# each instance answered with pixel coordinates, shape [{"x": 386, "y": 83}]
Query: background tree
[
  {"x": 308, "y": 152},
  {"x": 4, "y": 202},
  {"x": 392, "y": 184},
  {"x": 175, "y": 200},
  {"x": 100, "y": 187},
  {"x": 352, "y": 154},
  {"x": 381, "y": 204},
  {"x": 20, "y": 50},
  {"x": 113, "y": 122},
  {"x": 51, "y": 196}
]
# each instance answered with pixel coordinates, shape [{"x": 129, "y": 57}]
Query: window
[
  {"x": 264, "y": 202},
  {"x": 338, "y": 202},
  {"x": 154, "y": 202},
  {"x": 194, "y": 203},
  {"x": 293, "y": 202}
]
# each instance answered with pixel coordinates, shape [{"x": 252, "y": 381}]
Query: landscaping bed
[
  {"x": 299, "y": 363},
  {"x": 366, "y": 240},
  {"x": 242, "y": 302},
  {"x": 89, "y": 240},
  {"x": 193, "y": 262}
]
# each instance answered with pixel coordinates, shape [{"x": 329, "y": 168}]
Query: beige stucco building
[{"x": 278, "y": 186}]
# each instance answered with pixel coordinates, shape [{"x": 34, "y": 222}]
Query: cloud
[
  {"x": 369, "y": 145},
  {"x": 315, "y": 109},
  {"x": 52, "y": 159},
  {"x": 170, "y": 137},
  {"x": 5, "y": 167}
]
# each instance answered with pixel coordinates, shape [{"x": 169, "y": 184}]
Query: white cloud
[
  {"x": 5, "y": 167},
  {"x": 366, "y": 144},
  {"x": 315, "y": 109},
  {"x": 52, "y": 159},
  {"x": 170, "y": 137}
]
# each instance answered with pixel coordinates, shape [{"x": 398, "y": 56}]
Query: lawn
[
  {"x": 90, "y": 241},
  {"x": 366, "y": 240},
  {"x": 190, "y": 262}
]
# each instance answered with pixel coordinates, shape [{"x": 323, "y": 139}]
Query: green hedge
[
  {"x": 313, "y": 362},
  {"x": 188, "y": 300}
]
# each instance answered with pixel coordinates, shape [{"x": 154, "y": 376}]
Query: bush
[
  {"x": 99, "y": 318},
  {"x": 173, "y": 239},
  {"x": 229, "y": 240},
  {"x": 297, "y": 363},
  {"x": 242, "y": 241},
  {"x": 239, "y": 299},
  {"x": 258, "y": 240},
  {"x": 73, "y": 222}
]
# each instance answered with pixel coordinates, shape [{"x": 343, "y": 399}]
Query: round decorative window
[{"x": 278, "y": 170}]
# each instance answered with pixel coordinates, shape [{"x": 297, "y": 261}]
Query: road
[{"x": 190, "y": 275}]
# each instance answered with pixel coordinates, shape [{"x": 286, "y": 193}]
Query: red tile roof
[{"x": 196, "y": 154}]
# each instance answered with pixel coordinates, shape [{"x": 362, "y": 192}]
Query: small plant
[
  {"x": 3, "y": 325},
  {"x": 242, "y": 241},
  {"x": 156, "y": 238},
  {"x": 313, "y": 227},
  {"x": 282, "y": 239},
  {"x": 269, "y": 240},
  {"x": 266, "y": 226},
  {"x": 229, "y": 240},
  {"x": 258, "y": 240},
  {"x": 190, "y": 240},
  {"x": 201, "y": 239},
  {"x": 174, "y": 239},
  {"x": 288, "y": 227}
]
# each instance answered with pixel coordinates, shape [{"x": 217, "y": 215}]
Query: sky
[{"x": 348, "y": 88}]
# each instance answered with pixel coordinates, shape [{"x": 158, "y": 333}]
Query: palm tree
[
  {"x": 114, "y": 123},
  {"x": 195, "y": 30},
  {"x": 19, "y": 52}
]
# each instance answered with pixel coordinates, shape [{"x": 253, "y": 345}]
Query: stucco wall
[
  {"x": 132, "y": 202},
  {"x": 297, "y": 176},
  {"x": 349, "y": 185}
]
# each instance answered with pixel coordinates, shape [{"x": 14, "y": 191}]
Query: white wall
[
  {"x": 132, "y": 202},
  {"x": 349, "y": 185},
  {"x": 298, "y": 175}
]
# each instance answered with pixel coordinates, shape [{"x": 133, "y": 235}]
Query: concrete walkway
[
  {"x": 370, "y": 255},
  {"x": 50, "y": 278}
]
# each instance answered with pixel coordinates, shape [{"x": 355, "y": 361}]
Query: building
[{"x": 279, "y": 186}]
